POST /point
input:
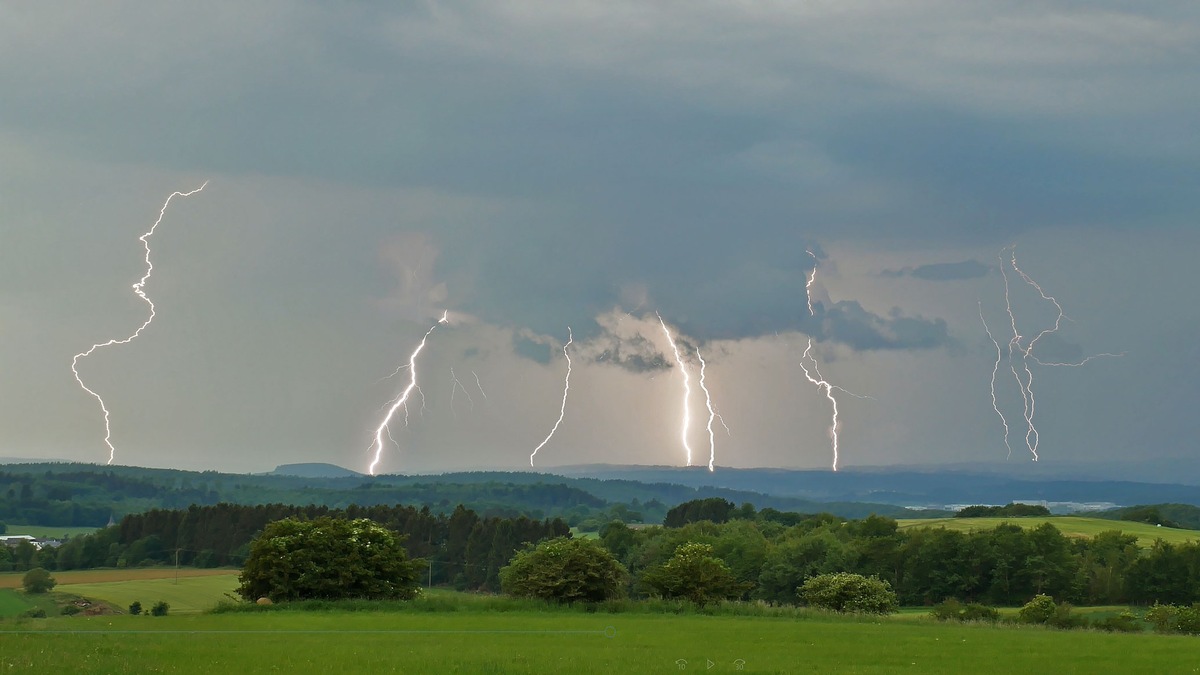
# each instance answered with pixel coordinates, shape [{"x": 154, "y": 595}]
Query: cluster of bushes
[
  {"x": 1042, "y": 610},
  {"x": 159, "y": 608},
  {"x": 1010, "y": 510}
]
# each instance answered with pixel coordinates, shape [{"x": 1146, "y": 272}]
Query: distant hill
[
  {"x": 1072, "y": 526},
  {"x": 314, "y": 470}
]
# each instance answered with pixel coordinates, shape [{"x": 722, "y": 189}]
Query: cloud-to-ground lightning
[
  {"x": 562, "y": 411},
  {"x": 996, "y": 371},
  {"x": 139, "y": 290},
  {"x": 479, "y": 384},
  {"x": 828, "y": 388},
  {"x": 1021, "y": 354},
  {"x": 687, "y": 390},
  {"x": 712, "y": 414},
  {"x": 402, "y": 399},
  {"x": 812, "y": 276}
]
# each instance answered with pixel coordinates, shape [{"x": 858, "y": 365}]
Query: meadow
[
  {"x": 48, "y": 531},
  {"x": 13, "y": 579},
  {"x": 1071, "y": 526}
]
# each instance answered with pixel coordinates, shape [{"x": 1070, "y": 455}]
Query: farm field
[
  {"x": 566, "y": 641},
  {"x": 1072, "y": 526},
  {"x": 49, "y": 532},
  {"x": 13, "y": 579},
  {"x": 11, "y": 603},
  {"x": 187, "y": 595}
]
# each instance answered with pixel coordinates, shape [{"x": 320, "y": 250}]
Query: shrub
[
  {"x": 35, "y": 613},
  {"x": 70, "y": 610},
  {"x": 135, "y": 607},
  {"x": 1125, "y": 622},
  {"x": 693, "y": 573},
  {"x": 565, "y": 570},
  {"x": 846, "y": 592},
  {"x": 38, "y": 580},
  {"x": 953, "y": 610},
  {"x": 328, "y": 559},
  {"x": 160, "y": 608},
  {"x": 1044, "y": 611}
]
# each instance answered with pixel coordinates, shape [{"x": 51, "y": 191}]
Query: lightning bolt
[
  {"x": 562, "y": 411},
  {"x": 995, "y": 371},
  {"x": 1021, "y": 355},
  {"x": 139, "y": 290},
  {"x": 479, "y": 384},
  {"x": 812, "y": 276},
  {"x": 687, "y": 390},
  {"x": 456, "y": 386},
  {"x": 823, "y": 384},
  {"x": 712, "y": 415},
  {"x": 402, "y": 399}
]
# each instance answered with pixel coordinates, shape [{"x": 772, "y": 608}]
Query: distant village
[{"x": 39, "y": 543}]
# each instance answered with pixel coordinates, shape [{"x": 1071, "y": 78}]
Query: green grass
[
  {"x": 1072, "y": 526},
  {"x": 188, "y": 595},
  {"x": 13, "y": 579},
  {"x": 49, "y": 532},
  {"x": 570, "y": 641},
  {"x": 12, "y": 603}
]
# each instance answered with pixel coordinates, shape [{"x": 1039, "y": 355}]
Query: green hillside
[{"x": 1072, "y": 526}]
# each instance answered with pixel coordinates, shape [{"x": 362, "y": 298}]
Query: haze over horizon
[{"x": 531, "y": 166}]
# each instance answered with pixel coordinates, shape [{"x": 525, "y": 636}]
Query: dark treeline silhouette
[
  {"x": 463, "y": 549},
  {"x": 1010, "y": 510}
]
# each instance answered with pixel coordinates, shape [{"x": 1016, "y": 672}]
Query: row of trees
[
  {"x": 461, "y": 549},
  {"x": 1005, "y": 565}
]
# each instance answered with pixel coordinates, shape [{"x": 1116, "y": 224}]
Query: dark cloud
[
  {"x": 635, "y": 354},
  {"x": 538, "y": 352},
  {"x": 846, "y": 322},
  {"x": 968, "y": 269}
]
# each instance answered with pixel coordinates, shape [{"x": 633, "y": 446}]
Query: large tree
[
  {"x": 328, "y": 558},
  {"x": 695, "y": 574},
  {"x": 566, "y": 570}
]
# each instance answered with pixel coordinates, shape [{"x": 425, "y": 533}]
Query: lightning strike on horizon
[
  {"x": 1020, "y": 355},
  {"x": 138, "y": 289},
  {"x": 562, "y": 411},
  {"x": 712, "y": 415},
  {"x": 822, "y": 383},
  {"x": 687, "y": 390},
  {"x": 995, "y": 371},
  {"x": 402, "y": 399}
]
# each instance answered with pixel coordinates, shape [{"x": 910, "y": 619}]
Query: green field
[
  {"x": 48, "y": 532},
  {"x": 13, "y": 579},
  {"x": 566, "y": 641},
  {"x": 1072, "y": 526},
  {"x": 12, "y": 603},
  {"x": 187, "y": 595}
]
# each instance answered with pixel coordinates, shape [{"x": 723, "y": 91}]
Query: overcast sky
[{"x": 530, "y": 166}]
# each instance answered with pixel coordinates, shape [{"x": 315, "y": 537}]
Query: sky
[{"x": 534, "y": 168}]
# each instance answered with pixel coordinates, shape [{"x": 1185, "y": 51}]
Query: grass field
[
  {"x": 567, "y": 641},
  {"x": 12, "y": 603},
  {"x": 49, "y": 532},
  {"x": 1072, "y": 526},
  {"x": 187, "y": 595},
  {"x": 13, "y": 579}
]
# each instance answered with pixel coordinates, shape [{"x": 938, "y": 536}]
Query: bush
[
  {"x": 1044, "y": 611},
  {"x": 565, "y": 570},
  {"x": 35, "y": 613},
  {"x": 695, "y": 574},
  {"x": 70, "y": 610},
  {"x": 328, "y": 559},
  {"x": 160, "y": 608},
  {"x": 135, "y": 607},
  {"x": 953, "y": 610},
  {"x": 38, "y": 580},
  {"x": 846, "y": 592},
  {"x": 1125, "y": 622}
]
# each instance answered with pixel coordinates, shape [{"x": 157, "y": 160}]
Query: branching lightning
[
  {"x": 823, "y": 384},
  {"x": 139, "y": 290},
  {"x": 712, "y": 414},
  {"x": 562, "y": 411},
  {"x": 812, "y": 276},
  {"x": 479, "y": 384},
  {"x": 402, "y": 399},
  {"x": 456, "y": 385},
  {"x": 1021, "y": 354},
  {"x": 687, "y": 390}
]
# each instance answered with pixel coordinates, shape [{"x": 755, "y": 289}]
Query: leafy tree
[
  {"x": 565, "y": 570},
  {"x": 160, "y": 608},
  {"x": 135, "y": 607},
  {"x": 792, "y": 561},
  {"x": 3, "y": 527},
  {"x": 328, "y": 558},
  {"x": 847, "y": 592},
  {"x": 38, "y": 580},
  {"x": 713, "y": 509},
  {"x": 695, "y": 574}
]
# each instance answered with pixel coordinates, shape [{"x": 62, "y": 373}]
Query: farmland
[
  {"x": 187, "y": 595},
  {"x": 1071, "y": 526},
  {"x": 13, "y": 579}
]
